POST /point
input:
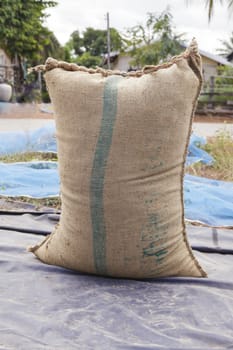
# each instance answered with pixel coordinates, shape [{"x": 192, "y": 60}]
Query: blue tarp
[
  {"x": 43, "y": 140},
  {"x": 195, "y": 153},
  {"x": 49, "y": 307},
  {"x": 34, "y": 179},
  {"x": 207, "y": 201},
  {"x": 39, "y": 140}
]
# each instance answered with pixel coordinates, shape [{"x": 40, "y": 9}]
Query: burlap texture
[{"x": 122, "y": 142}]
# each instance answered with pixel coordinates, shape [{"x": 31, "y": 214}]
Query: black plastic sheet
[{"x": 48, "y": 307}]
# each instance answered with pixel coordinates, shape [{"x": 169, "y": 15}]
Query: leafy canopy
[
  {"x": 91, "y": 45},
  {"x": 22, "y": 32},
  {"x": 155, "y": 41},
  {"x": 210, "y": 6},
  {"x": 227, "y": 46}
]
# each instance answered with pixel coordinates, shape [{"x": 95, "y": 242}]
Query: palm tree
[
  {"x": 210, "y": 6},
  {"x": 227, "y": 47}
]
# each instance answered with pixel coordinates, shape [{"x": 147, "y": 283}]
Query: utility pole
[{"x": 108, "y": 43}]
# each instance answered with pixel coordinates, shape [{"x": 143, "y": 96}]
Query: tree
[
  {"x": 22, "y": 33},
  {"x": 227, "y": 47},
  {"x": 87, "y": 60},
  {"x": 91, "y": 45},
  {"x": 155, "y": 41},
  {"x": 210, "y": 6},
  {"x": 76, "y": 43},
  {"x": 51, "y": 47}
]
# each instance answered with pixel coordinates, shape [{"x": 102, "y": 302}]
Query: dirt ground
[
  {"x": 213, "y": 119},
  {"x": 45, "y": 111},
  {"x": 25, "y": 111},
  {"x": 42, "y": 115}
]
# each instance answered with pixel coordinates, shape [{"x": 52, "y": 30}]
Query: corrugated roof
[
  {"x": 216, "y": 58},
  {"x": 213, "y": 57}
]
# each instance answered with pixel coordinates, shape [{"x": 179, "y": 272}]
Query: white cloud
[{"x": 192, "y": 19}]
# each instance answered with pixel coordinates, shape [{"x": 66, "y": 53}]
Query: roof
[{"x": 216, "y": 58}]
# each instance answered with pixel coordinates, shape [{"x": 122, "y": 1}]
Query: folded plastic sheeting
[
  {"x": 208, "y": 201},
  {"x": 47, "y": 307},
  {"x": 195, "y": 153},
  {"x": 33, "y": 179}
]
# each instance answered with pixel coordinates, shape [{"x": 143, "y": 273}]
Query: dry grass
[
  {"x": 51, "y": 202},
  {"x": 29, "y": 157},
  {"x": 220, "y": 148},
  {"x": 27, "y": 203}
]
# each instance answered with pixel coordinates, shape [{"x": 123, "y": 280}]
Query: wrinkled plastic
[
  {"x": 47, "y": 307},
  {"x": 38, "y": 140},
  {"x": 33, "y": 179},
  {"x": 195, "y": 153},
  {"x": 208, "y": 201}
]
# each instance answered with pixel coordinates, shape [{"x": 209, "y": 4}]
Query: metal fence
[{"x": 217, "y": 93}]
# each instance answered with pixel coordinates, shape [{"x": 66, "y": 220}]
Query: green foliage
[
  {"x": 227, "y": 46},
  {"x": 155, "y": 41},
  {"x": 219, "y": 92},
  {"x": 87, "y": 60},
  {"x": 210, "y": 6},
  {"x": 22, "y": 33},
  {"x": 90, "y": 46},
  {"x": 225, "y": 76},
  {"x": 28, "y": 42},
  {"x": 75, "y": 43},
  {"x": 94, "y": 41},
  {"x": 52, "y": 48}
]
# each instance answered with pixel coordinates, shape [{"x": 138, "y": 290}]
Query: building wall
[
  {"x": 122, "y": 63},
  {"x": 6, "y": 70},
  {"x": 4, "y": 59},
  {"x": 209, "y": 68}
]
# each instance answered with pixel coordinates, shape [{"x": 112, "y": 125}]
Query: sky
[{"x": 189, "y": 17}]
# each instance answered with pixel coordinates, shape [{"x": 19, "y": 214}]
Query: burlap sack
[{"x": 122, "y": 142}]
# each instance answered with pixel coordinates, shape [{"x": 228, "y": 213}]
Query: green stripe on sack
[{"x": 98, "y": 172}]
